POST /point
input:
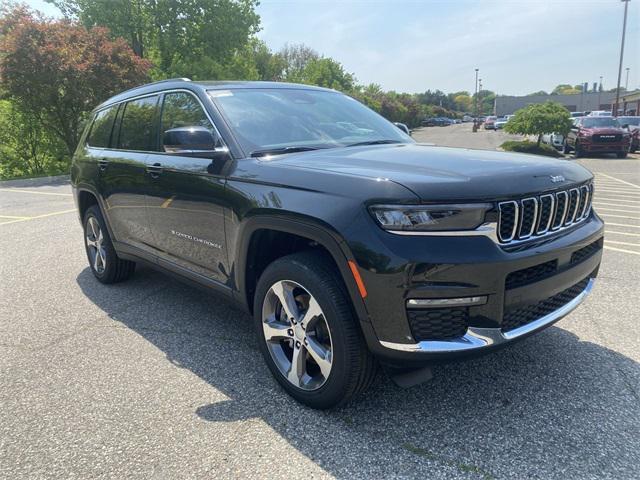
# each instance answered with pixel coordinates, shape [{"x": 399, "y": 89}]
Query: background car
[
  {"x": 489, "y": 123},
  {"x": 556, "y": 140},
  {"x": 500, "y": 122},
  {"x": 632, "y": 124},
  {"x": 403, "y": 127},
  {"x": 600, "y": 113},
  {"x": 597, "y": 135}
]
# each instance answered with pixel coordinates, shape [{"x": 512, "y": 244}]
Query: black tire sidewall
[
  {"x": 111, "y": 257},
  {"x": 339, "y": 320}
]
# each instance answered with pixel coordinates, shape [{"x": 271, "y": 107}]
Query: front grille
[
  {"x": 586, "y": 252},
  {"x": 533, "y": 217},
  {"x": 606, "y": 138},
  {"x": 522, "y": 316},
  {"x": 438, "y": 323},
  {"x": 529, "y": 275}
]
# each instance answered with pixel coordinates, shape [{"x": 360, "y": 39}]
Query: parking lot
[{"x": 152, "y": 378}]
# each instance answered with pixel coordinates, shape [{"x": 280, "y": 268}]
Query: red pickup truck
[{"x": 597, "y": 135}]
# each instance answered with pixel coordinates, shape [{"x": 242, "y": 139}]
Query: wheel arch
[{"x": 307, "y": 229}]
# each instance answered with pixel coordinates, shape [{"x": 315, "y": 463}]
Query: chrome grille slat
[{"x": 540, "y": 215}]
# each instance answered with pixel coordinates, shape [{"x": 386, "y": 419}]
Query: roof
[{"x": 185, "y": 83}]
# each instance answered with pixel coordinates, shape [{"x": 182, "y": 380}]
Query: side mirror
[
  {"x": 195, "y": 141},
  {"x": 626, "y": 125}
]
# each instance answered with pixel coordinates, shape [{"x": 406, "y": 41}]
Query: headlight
[{"x": 430, "y": 217}]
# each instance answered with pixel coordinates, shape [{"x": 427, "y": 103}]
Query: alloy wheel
[
  {"x": 95, "y": 245},
  {"x": 297, "y": 335}
]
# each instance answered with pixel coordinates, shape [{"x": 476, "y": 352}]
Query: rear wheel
[
  {"x": 565, "y": 148},
  {"x": 105, "y": 264},
  {"x": 621, "y": 154},
  {"x": 307, "y": 332}
]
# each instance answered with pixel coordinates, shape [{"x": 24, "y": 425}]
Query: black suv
[{"x": 351, "y": 245}]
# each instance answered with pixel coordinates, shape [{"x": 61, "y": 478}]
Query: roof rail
[{"x": 181, "y": 79}]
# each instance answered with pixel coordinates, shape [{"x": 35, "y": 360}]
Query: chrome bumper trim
[{"x": 478, "y": 338}]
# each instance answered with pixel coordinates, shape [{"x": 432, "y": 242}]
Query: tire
[
  {"x": 578, "y": 151},
  {"x": 105, "y": 264},
  {"x": 302, "y": 278},
  {"x": 566, "y": 149},
  {"x": 621, "y": 154}
]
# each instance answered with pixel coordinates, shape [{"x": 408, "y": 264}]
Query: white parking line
[
  {"x": 619, "y": 216},
  {"x": 616, "y": 200},
  {"x": 622, "y": 225},
  {"x": 621, "y": 250},
  {"x": 617, "y": 179},
  {"x": 15, "y": 190},
  {"x": 613, "y": 232},
  {"x": 617, "y": 190},
  {"x": 622, "y": 243},
  {"x": 614, "y": 209}
]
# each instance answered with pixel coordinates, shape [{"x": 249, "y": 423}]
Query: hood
[
  {"x": 442, "y": 173},
  {"x": 603, "y": 130}
]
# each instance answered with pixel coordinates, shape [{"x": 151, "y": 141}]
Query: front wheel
[
  {"x": 621, "y": 154},
  {"x": 565, "y": 148},
  {"x": 578, "y": 152},
  {"x": 307, "y": 332}
]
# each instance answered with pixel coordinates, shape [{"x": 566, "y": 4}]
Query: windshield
[
  {"x": 289, "y": 119},
  {"x": 629, "y": 120},
  {"x": 594, "y": 122}
]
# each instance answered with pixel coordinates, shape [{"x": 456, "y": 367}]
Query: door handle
[
  {"x": 154, "y": 170},
  {"x": 103, "y": 163}
]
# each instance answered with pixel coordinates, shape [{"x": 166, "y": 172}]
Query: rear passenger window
[
  {"x": 137, "y": 130},
  {"x": 184, "y": 125},
  {"x": 101, "y": 129}
]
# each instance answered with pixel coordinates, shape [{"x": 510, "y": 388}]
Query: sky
[{"x": 519, "y": 46}]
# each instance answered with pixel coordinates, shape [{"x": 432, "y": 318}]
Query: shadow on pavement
[{"x": 550, "y": 407}]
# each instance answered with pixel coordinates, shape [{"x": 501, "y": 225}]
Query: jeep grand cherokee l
[
  {"x": 349, "y": 243},
  {"x": 597, "y": 135}
]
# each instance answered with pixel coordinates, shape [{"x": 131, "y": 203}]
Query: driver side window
[{"x": 184, "y": 125}]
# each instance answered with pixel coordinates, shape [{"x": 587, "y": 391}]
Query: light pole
[
  {"x": 624, "y": 31},
  {"x": 600, "y": 93},
  {"x": 626, "y": 81},
  {"x": 475, "y": 116},
  {"x": 479, "y": 97}
]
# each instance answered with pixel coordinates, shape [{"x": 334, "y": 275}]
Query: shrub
[{"x": 530, "y": 147}]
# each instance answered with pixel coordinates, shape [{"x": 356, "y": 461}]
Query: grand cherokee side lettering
[{"x": 196, "y": 239}]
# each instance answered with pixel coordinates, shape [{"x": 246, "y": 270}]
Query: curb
[{"x": 36, "y": 182}]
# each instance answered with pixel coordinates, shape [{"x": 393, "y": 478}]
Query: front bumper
[
  {"x": 432, "y": 267},
  {"x": 595, "y": 147},
  {"x": 478, "y": 338}
]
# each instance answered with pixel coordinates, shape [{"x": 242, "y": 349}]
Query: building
[
  {"x": 579, "y": 102},
  {"x": 630, "y": 103}
]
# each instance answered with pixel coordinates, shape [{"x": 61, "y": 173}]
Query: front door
[{"x": 186, "y": 204}]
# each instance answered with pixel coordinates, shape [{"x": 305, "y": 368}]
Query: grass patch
[
  {"x": 530, "y": 147},
  {"x": 463, "y": 467}
]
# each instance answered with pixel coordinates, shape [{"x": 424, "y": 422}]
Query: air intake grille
[
  {"x": 530, "y": 275},
  {"x": 533, "y": 217},
  {"x": 521, "y": 316},
  {"x": 585, "y": 252},
  {"x": 438, "y": 323}
]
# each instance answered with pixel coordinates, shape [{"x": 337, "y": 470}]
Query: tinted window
[
  {"x": 276, "y": 118},
  {"x": 137, "y": 130},
  {"x": 184, "y": 125},
  {"x": 101, "y": 128}
]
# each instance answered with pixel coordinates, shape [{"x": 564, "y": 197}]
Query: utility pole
[
  {"x": 624, "y": 31},
  {"x": 475, "y": 115},
  {"x": 480, "y": 96}
]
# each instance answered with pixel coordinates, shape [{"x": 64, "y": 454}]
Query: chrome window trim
[
  {"x": 553, "y": 204},
  {"x": 478, "y": 338},
  {"x": 515, "y": 223},
  {"x": 535, "y": 218}
]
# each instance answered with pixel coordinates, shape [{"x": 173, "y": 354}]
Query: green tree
[
  {"x": 57, "y": 71},
  {"x": 566, "y": 89},
  {"x": 172, "y": 33},
  {"x": 541, "y": 118},
  {"x": 325, "y": 72}
]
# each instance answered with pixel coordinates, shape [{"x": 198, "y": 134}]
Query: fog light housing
[{"x": 446, "y": 302}]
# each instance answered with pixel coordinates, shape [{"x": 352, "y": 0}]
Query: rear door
[
  {"x": 186, "y": 204},
  {"x": 123, "y": 171}
]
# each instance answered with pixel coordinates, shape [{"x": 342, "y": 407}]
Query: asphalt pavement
[{"x": 153, "y": 378}]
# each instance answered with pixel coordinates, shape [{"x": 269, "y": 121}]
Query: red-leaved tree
[{"x": 57, "y": 70}]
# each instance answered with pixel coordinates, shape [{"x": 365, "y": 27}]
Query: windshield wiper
[
  {"x": 373, "y": 142},
  {"x": 282, "y": 150}
]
